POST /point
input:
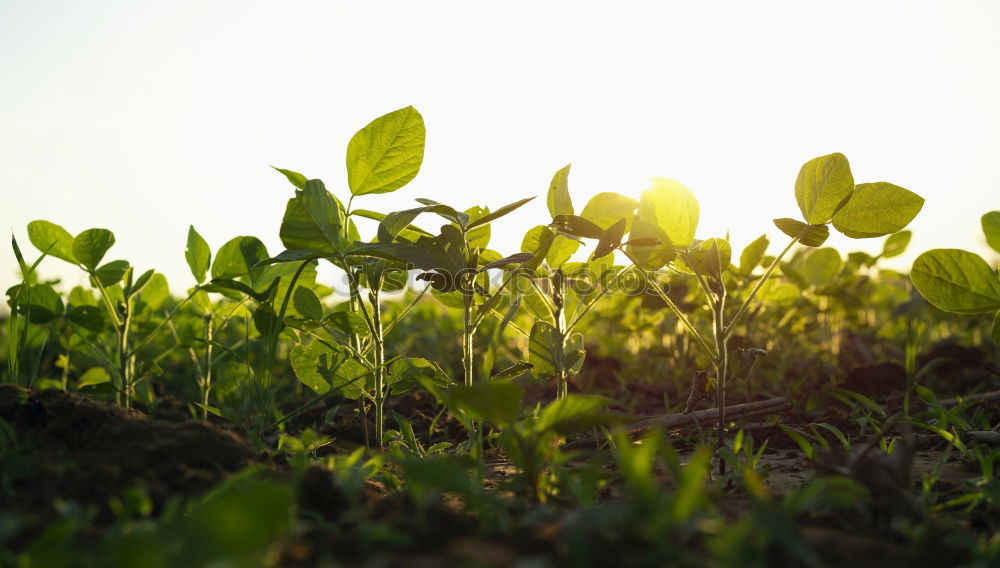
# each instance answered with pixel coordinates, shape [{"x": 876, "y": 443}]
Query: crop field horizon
[{"x": 526, "y": 359}]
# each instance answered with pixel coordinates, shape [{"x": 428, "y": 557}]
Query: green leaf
[
  {"x": 896, "y": 244},
  {"x": 386, "y": 154},
  {"x": 991, "y": 228},
  {"x": 111, "y": 273},
  {"x": 822, "y": 186},
  {"x": 90, "y": 246},
  {"x": 577, "y": 226},
  {"x": 90, "y": 318},
  {"x": 672, "y": 208},
  {"x": 544, "y": 350},
  {"x": 198, "y": 255},
  {"x": 606, "y": 209},
  {"x": 711, "y": 257},
  {"x": 237, "y": 257},
  {"x": 995, "y": 334},
  {"x": 396, "y": 222},
  {"x": 809, "y": 235},
  {"x": 156, "y": 292},
  {"x": 512, "y": 372},
  {"x": 40, "y": 303},
  {"x": 410, "y": 231},
  {"x": 571, "y": 413},
  {"x": 307, "y": 304},
  {"x": 347, "y": 322},
  {"x": 408, "y": 373},
  {"x": 877, "y": 209},
  {"x": 313, "y": 220},
  {"x": 497, "y": 402},
  {"x": 611, "y": 239},
  {"x": 575, "y": 354},
  {"x": 297, "y": 179},
  {"x": 650, "y": 257},
  {"x": 478, "y": 237},
  {"x": 322, "y": 369},
  {"x": 266, "y": 321},
  {"x": 93, "y": 376},
  {"x": 415, "y": 255},
  {"x": 52, "y": 239},
  {"x": 753, "y": 254},
  {"x": 490, "y": 217},
  {"x": 957, "y": 281},
  {"x": 558, "y": 199},
  {"x": 821, "y": 266}
]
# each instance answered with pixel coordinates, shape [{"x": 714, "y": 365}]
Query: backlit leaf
[
  {"x": 877, "y": 209},
  {"x": 896, "y": 244},
  {"x": 558, "y": 199},
  {"x": 957, "y": 281},
  {"x": 53, "y": 239},
  {"x": 197, "y": 254},
  {"x": 672, "y": 208},
  {"x": 822, "y": 186},
  {"x": 386, "y": 154},
  {"x": 606, "y": 209},
  {"x": 991, "y": 228}
]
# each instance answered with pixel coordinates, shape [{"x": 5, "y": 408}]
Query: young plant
[
  {"x": 529, "y": 442},
  {"x": 119, "y": 292},
  {"x": 663, "y": 232}
]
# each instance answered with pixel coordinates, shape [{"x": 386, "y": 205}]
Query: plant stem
[
  {"x": 379, "y": 354},
  {"x": 760, "y": 283},
  {"x": 206, "y": 386}
]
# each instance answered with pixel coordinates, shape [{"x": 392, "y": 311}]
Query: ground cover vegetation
[{"x": 664, "y": 401}]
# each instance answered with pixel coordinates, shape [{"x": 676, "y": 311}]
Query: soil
[{"x": 89, "y": 451}]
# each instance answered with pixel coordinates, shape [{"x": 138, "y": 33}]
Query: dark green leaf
[
  {"x": 490, "y": 217},
  {"x": 313, "y": 220},
  {"x": 111, "y": 273},
  {"x": 40, "y": 303},
  {"x": 610, "y": 239},
  {"x": 516, "y": 258},
  {"x": 90, "y": 246},
  {"x": 809, "y": 235},
  {"x": 512, "y": 372},
  {"x": 307, "y": 304},
  {"x": 90, "y": 318},
  {"x": 577, "y": 226},
  {"x": 544, "y": 350},
  {"x": 237, "y": 257}
]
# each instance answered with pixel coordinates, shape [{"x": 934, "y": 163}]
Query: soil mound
[{"x": 72, "y": 448}]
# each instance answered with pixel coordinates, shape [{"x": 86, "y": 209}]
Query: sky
[{"x": 146, "y": 117}]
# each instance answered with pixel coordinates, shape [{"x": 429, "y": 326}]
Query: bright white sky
[{"x": 144, "y": 117}]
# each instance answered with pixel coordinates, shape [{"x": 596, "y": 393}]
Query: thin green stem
[
  {"x": 760, "y": 283},
  {"x": 673, "y": 307}
]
